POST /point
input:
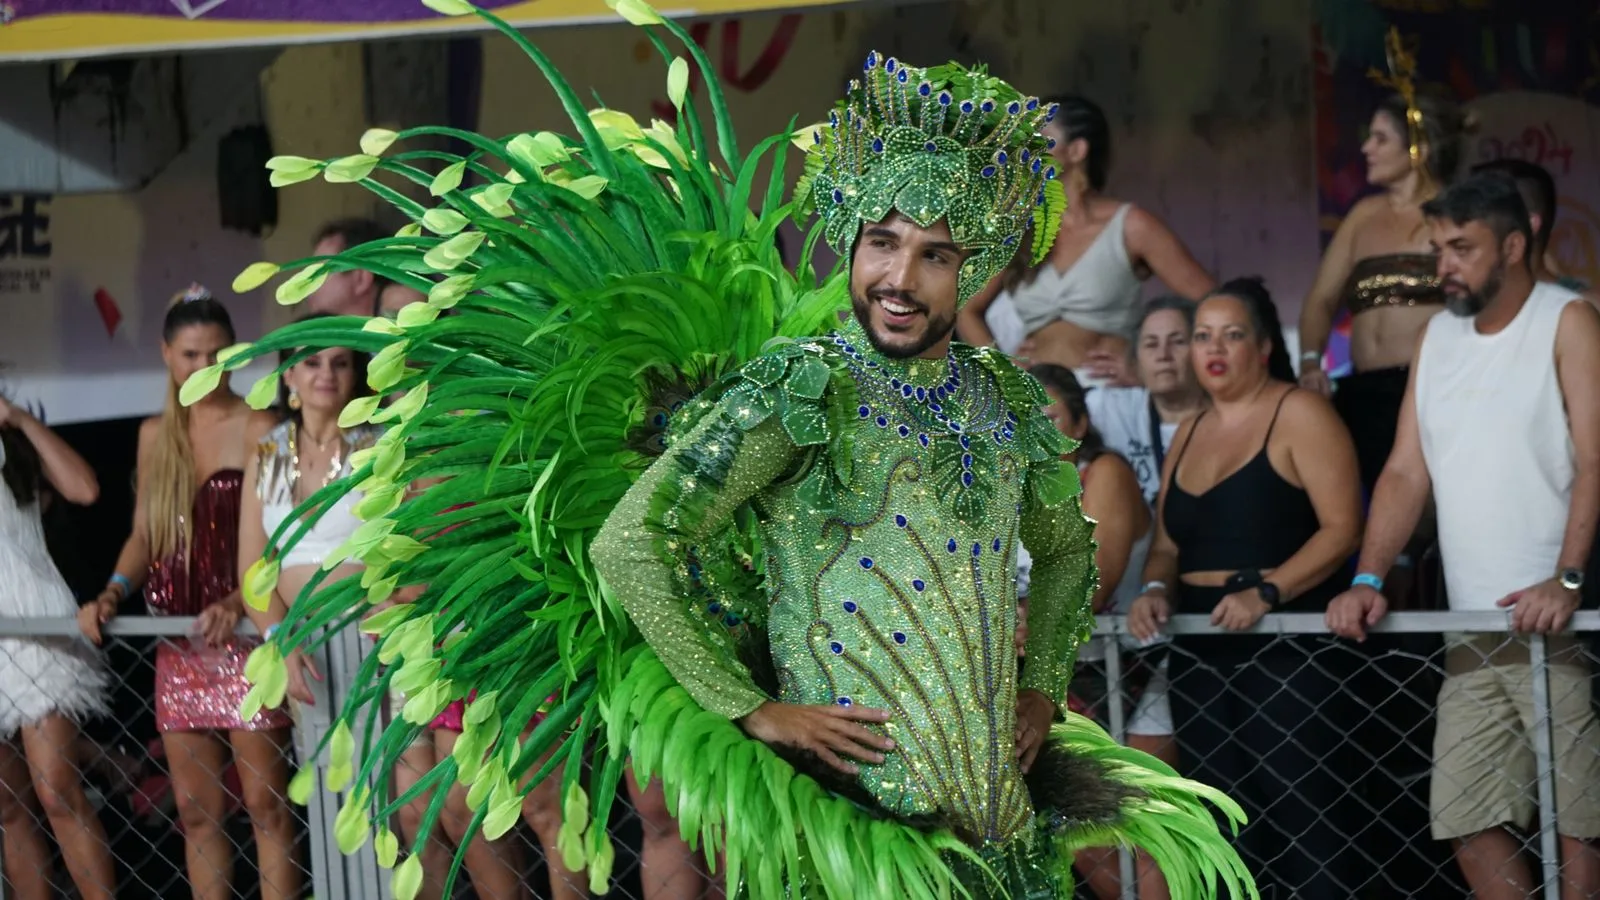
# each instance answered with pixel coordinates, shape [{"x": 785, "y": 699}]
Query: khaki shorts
[{"x": 1484, "y": 772}]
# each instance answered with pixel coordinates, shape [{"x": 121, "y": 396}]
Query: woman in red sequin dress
[{"x": 184, "y": 550}]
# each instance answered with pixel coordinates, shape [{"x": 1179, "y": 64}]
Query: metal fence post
[
  {"x": 1119, "y": 731},
  {"x": 1544, "y": 759}
]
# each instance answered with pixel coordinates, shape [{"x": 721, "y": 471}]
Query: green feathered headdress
[{"x": 943, "y": 143}]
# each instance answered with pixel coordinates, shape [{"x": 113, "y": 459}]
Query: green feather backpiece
[{"x": 594, "y": 285}]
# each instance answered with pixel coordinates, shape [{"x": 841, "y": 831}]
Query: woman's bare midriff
[
  {"x": 1065, "y": 344},
  {"x": 1213, "y": 579},
  {"x": 293, "y": 579},
  {"x": 1386, "y": 338}
]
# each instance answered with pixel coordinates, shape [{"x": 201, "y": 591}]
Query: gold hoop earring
[{"x": 294, "y": 399}]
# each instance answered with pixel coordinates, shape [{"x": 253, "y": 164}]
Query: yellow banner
[{"x": 78, "y": 29}]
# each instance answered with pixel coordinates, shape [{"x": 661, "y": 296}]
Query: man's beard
[
  {"x": 936, "y": 330},
  {"x": 1469, "y": 303}
]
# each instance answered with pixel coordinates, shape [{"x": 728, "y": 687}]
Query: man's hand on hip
[
  {"x": 831, "y": 732},
  {"x": 1034, "y": 714}
]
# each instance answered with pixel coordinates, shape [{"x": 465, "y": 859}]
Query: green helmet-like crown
[{"x": 943, "y": 143}]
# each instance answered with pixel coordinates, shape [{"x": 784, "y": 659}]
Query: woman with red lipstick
[{"x": 1260, "y": 509}]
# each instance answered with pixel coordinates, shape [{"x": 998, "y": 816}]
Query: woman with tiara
[{"x": 183, "y": 551}]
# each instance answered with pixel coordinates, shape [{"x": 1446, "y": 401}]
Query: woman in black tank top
[{"x": 1259, "y": 512}]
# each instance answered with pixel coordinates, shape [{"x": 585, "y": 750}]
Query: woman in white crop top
[{"x": 1078, "y": 307}]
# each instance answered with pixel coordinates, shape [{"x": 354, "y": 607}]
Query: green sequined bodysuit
[{"x": 890, "y": 545}]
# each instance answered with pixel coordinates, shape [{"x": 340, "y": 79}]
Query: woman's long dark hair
[
  {"x": 23, "y": 471},
  {"x": 1083, "y": 120},
  {"x": 1257, "y": 300},
  {"x": 1061, "y": 380}
]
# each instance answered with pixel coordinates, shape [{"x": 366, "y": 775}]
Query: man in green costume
[{"x": 821, "y": 550}]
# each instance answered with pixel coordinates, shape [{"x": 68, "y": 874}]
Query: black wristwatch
[{"x": 1269, "y": 593}]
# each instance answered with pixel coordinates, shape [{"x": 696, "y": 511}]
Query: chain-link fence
[
  {"x": 1375, "y": 770},
  {"x": 198, "y": 813}
]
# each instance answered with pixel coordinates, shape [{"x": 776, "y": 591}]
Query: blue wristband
[
  {"x": 121, "y": 580},
  {"x": 1368, "y": 579}
]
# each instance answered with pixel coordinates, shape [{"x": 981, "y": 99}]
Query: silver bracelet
[{"x": 1154, "y": 586}]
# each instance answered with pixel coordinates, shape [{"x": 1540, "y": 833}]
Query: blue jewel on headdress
[
  {"x": 899, "y": 637},
  {"x": 951, "y": 546},
  {"x": 922, "y": 439},
  {"x": 1010, "y": 240},
  {"x": 945, "y": 99},
  {"x": 987, "y": 106},
  {"x": 1013, "y": 107},
  {"x": 860, "y": 123},
  {"x": 891, "y": 65},
  {"x": 954, "y": 425},
  {"x": 966, "y": 442},
  {"x": 714, "y": 608},
  {"x": 1050, "y": 114},
  {"x": 935, "y": 407},
  {"x": 816, "y": 137},
  {"x": 1050, "y": 174},
  {"x": 1026, "y": 155},
  {"x": 850, "y": 607},
  {"x": 901, "y": 521},
  {"x": 864, "y": 411},
  {"x": 966, "y": 478},
  {"x": 918, "y": 585},
  {"x": 996, "y": 545},
  {"x": 966, "y": 106},
  {"x": 866, "y": 562},
  {"x": 905, "y": 431},
  {"x": 838, "y": 195},
  {"x": 989, "y": 171},
  {"x": 1039, "y": 200},
  {"x": 903, "y": 76},
  {"x": 844, "y": 701},
  {"x": 895, "y": 383},
  {"x": 905, "y": 390},
  {"x": 836, "y": 647},
  {"x": 883, "y": 421},
  {"x": 925, "y": 89},
  {"x": 1049, "y": 143},
  {"x": 833, "y": 118},
  {"x": 877, "y": 145},
  {"x": 930, "y": 147},
  {"x": 872, "y": 61},
  {"x": 966, "y": 460},
  {"x": 1038, "y": 164},
  {"x": 1033, "y": 103},
  {"x": 977, "y": 549},
  {"x": 922, "y": 393},
  {"x": 1001, "y": 157}
]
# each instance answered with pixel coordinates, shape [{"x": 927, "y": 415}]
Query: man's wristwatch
[
  {"x": 1269, "y": 593},
  {"x": 1571, "y": 579}
]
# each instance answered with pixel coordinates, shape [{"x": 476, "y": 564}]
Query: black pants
[
  {"x": 1369, "y": 403},
  {"x": 1265, "y": 723}
]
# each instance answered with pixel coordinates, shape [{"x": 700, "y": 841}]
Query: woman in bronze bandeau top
[{"x": 1379, "y": 266}]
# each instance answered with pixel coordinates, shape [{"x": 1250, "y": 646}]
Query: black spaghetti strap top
[{"x": 1252, "y": 519}]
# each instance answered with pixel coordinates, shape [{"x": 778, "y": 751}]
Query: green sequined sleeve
[
  {"x": 1060, "y": 538},
  {"x": 689, "y": 495}
]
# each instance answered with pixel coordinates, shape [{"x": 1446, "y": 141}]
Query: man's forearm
[
  {"x": 1397, "y": 503},
  {"x": 1582, "y": 515}
]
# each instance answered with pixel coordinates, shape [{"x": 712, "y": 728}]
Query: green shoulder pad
[{"x": 1050, "y": 480}]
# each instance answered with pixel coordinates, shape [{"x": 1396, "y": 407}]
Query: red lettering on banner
[
  {"x": 727, "y": 60},
  {"x": 1543, "y": 146}
]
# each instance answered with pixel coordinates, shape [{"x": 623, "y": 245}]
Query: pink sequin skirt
[{"x": 200, "y": 688}]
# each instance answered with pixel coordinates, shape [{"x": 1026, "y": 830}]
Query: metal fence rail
[{"x": 1370, "y": 738}]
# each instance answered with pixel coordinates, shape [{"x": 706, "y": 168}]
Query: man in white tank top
[{"x": 1502, "y": 421}]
